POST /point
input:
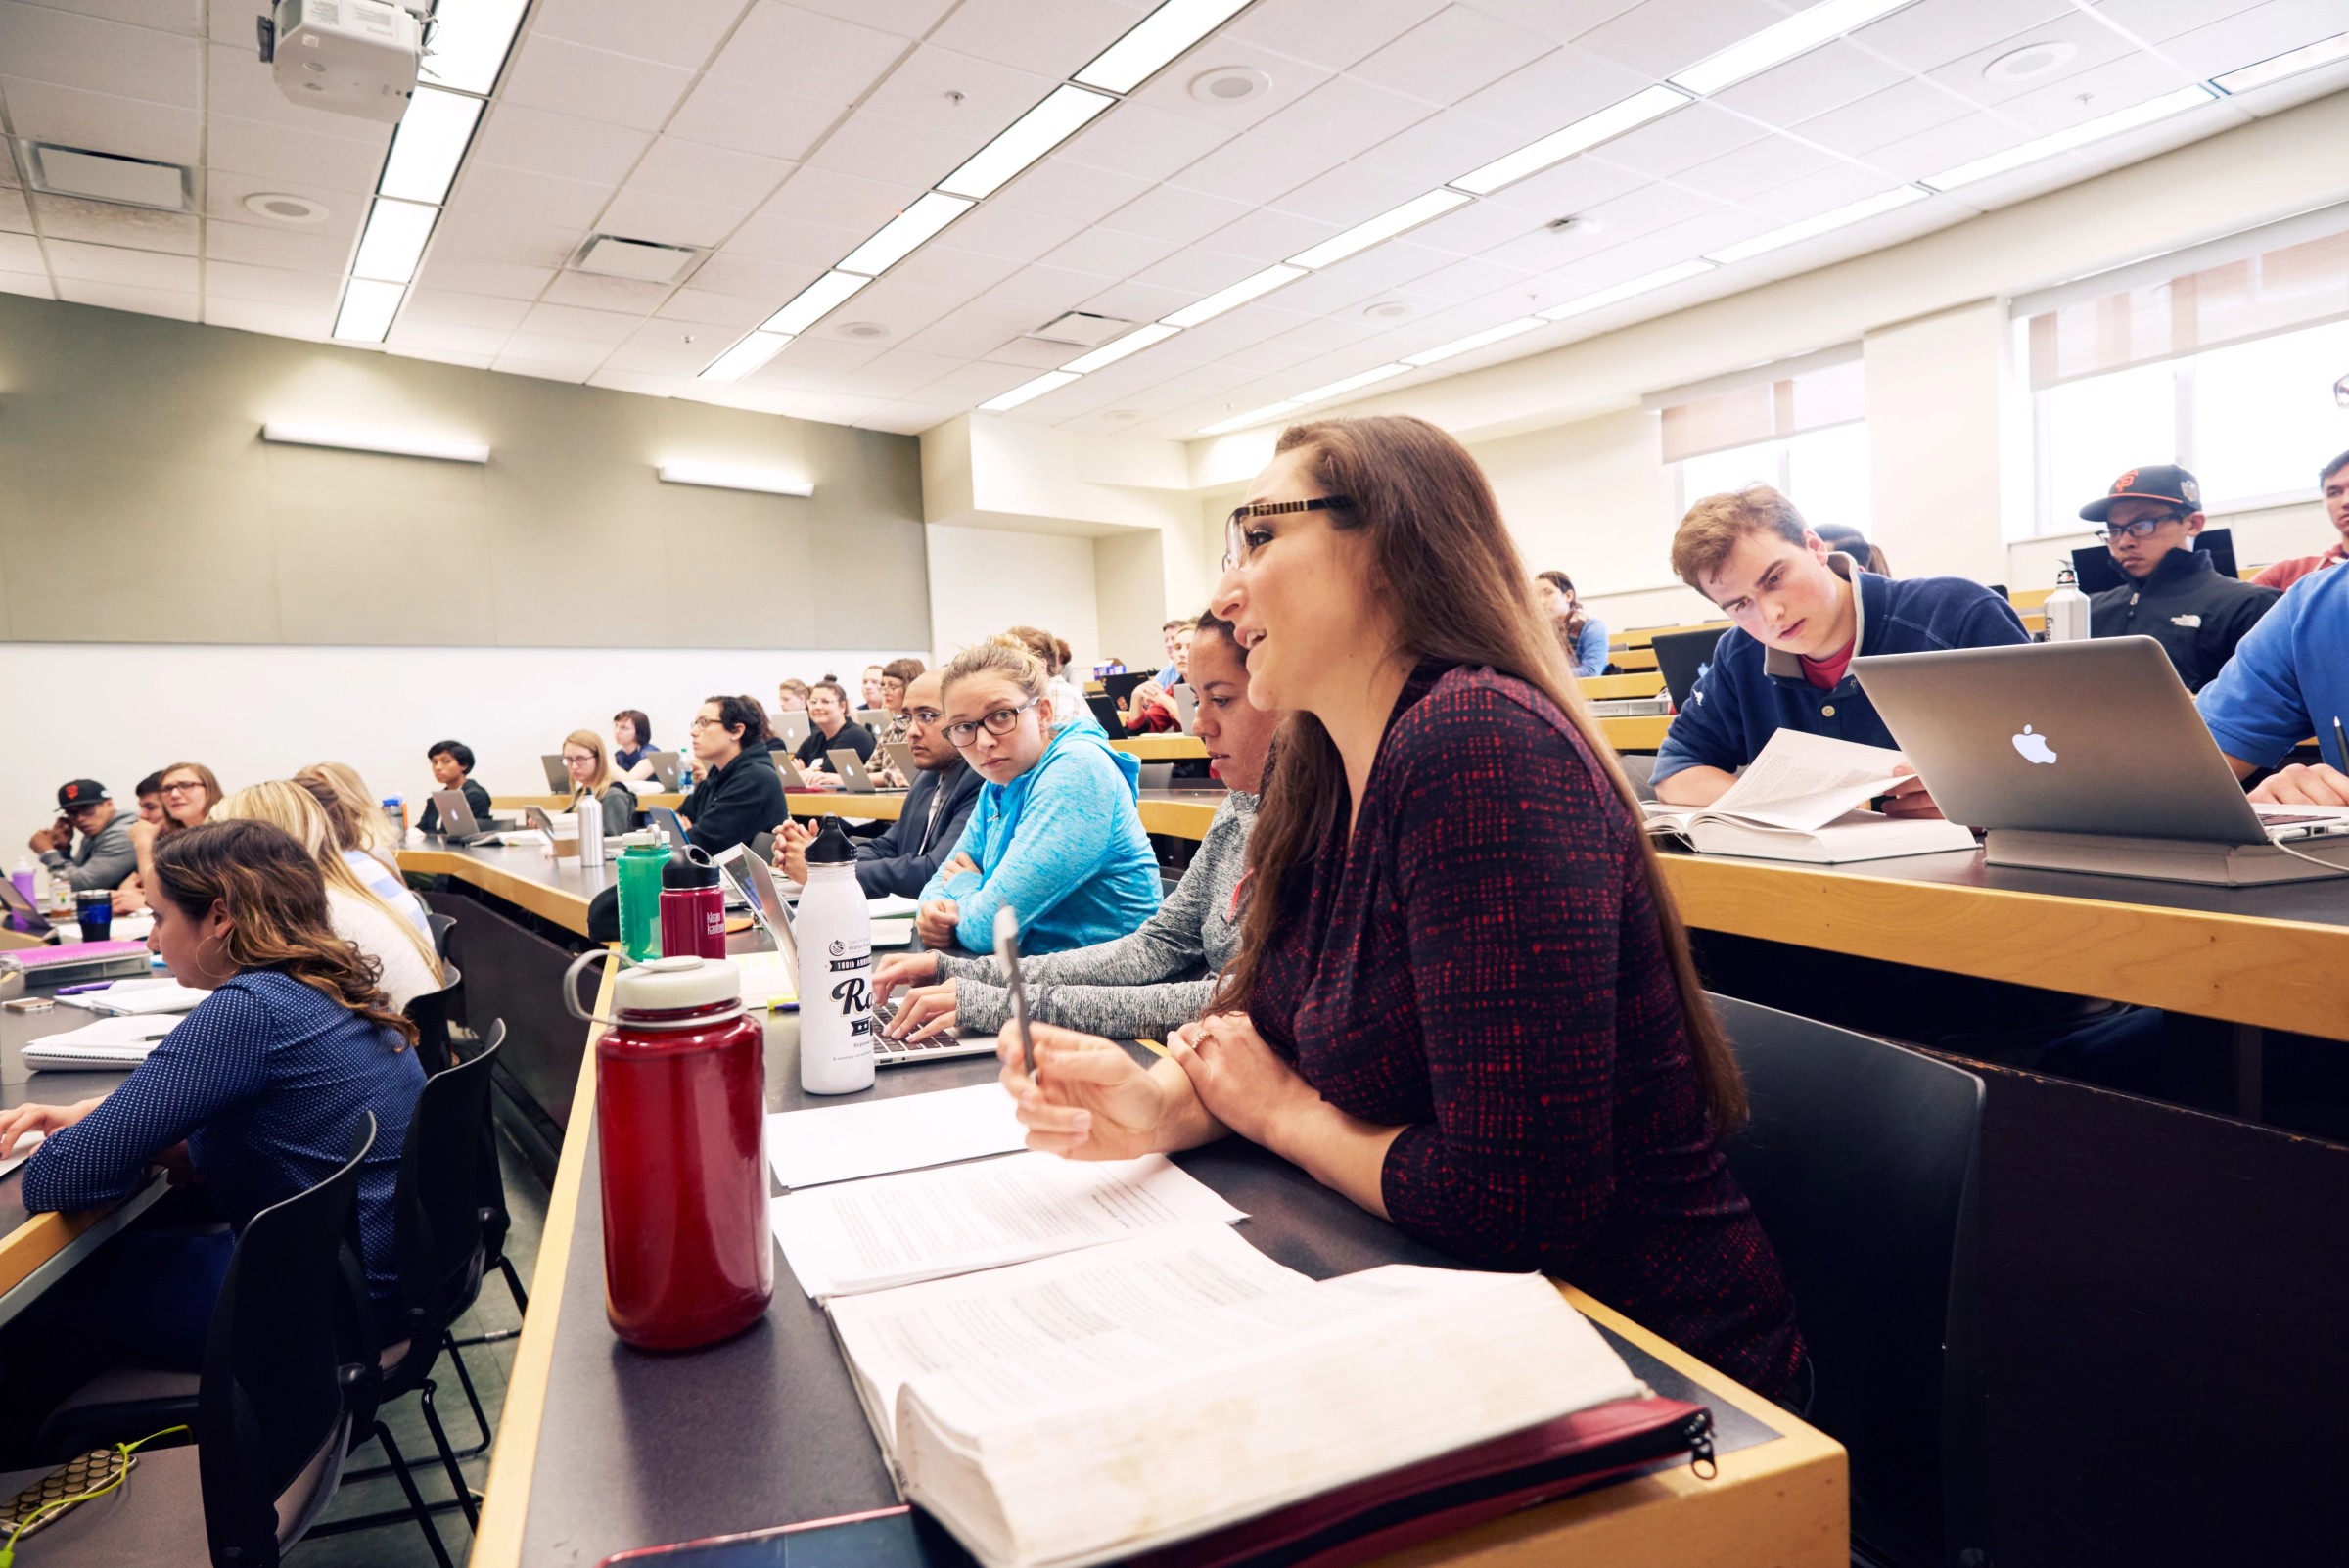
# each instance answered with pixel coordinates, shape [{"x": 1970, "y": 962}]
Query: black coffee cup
[{"x": 94, "y": 910}]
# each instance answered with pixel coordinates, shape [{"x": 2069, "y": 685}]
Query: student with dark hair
[
  {"x": 1799, "y": 613},
  {"x": 739, "y": 796},
  {"x": 1580, "y": 634},
  {"x": 256, "y": 1094},
  {"x": 895, "y": 677},
  {"x": 1461, "y": 997},
  {"x": 89, "y": 845},
  {"x": 2173, "y": 594},
  {"x": 2333, "y": 486},
  {"x": 1854, "y": 543},
  {"x": 830, "y": 728},
  {"x": 632, "y": 744},
  {"x": 150, "y": 794},
  {"x": 452, "y": 769}
]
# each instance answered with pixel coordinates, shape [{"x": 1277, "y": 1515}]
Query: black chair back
[
  {"x": 1858, "y": 1160},
  {"x": 439, "y": 1213},
  {"x": 272, "y": 1401},
  {"x": 440, "y": 925},
  {"x": 430, "y": 1013}
]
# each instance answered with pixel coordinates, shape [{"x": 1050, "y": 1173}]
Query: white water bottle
[
  {"x": 589, "y": 812},
  {"x": 834, "y": 932},
  {"x": 2065, "y": 610}
]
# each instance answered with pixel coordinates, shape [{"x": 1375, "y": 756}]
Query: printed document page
[
  {"x": 874, "y": 1137},
  {"x": 1799, "y": 783}
]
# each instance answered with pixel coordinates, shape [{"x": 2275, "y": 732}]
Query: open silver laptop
[
  {"x": 795, "y": 729},
  {"x": 665, "y": 769},
  {"x": 2090, "y": 757},
  {"x": 900, "y": 757},
  {"x": 853, "y": 777},
  {"x": 558, "y": 776}
]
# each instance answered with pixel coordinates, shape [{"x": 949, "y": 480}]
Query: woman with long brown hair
[
  {"x": 258, "y": 1090},
  {"x": 1461, "y": 997}
]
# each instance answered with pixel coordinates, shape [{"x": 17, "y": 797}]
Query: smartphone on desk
[{"x": 886, "y": 1537}]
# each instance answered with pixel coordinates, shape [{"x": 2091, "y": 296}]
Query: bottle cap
[
  {"x": 673, "y": 985},
  {"x": 831, "y": 846},
  {"x": 641, "y": 839},
  {"x": 689, "y": 867}
]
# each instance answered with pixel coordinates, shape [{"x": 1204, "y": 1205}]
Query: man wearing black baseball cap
[
  {"x": 2173, "y": 594},
  {"x": 104, "y": 854}
]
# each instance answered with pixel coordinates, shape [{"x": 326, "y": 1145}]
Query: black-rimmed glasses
[
  {"x": 1237, "y": 549},
  {"x": 2142, "y": 529},
  {"x": 1002, "y": 722}
]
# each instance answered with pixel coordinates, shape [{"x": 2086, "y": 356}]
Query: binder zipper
[{"x": 1697, "y": 1430}]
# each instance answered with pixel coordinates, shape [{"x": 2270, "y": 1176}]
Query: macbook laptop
[
  {"x": 853, "y": 776},
  {"x": 787, "y": 768},
  {"x": 875, "y": 719},
  {"x": 1105, "y": 713},
  {"x": 2091, "y": 757},
  {"x": 665, "y": 769},
  {"x": 794, "y": 729},
  {"x": 1683, "y": 658},
  {"x": 22, "y": 917},
  {"x": 900, "y": 758},
  {"x": 558, "y": 776},
  {"x": 1186, "y": 709}
]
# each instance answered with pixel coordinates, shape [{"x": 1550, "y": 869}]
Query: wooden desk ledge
[{"x": 1162, "y": 748}]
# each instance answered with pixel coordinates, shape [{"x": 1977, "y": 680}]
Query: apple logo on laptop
[{"x": 2033, "y": 747}]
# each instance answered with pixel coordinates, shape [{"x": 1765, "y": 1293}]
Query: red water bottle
[
  {"x": 680, "y": 1110},
  {"x": 693, "y": 906}
]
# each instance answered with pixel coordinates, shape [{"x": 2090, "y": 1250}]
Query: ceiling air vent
[
  {"x": 104, "y": 177},
  {"x": 1083, "y": 329},
  {"x": 610, "y": 256}
]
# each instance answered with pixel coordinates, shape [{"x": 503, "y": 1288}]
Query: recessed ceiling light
[
  {"x": 813, "y": 302},
  {"x": 280, "y": 207},
  {"x": 1229, "y": 84},
  {"x": 108, "y": 177},
  {"x": 896, "y": 239},
  {"x": 433, "y": 133},
  {"x": 2030, "y": 61},
  {"x": 1049, "y": 381},
  {"x": 1820, "y": 223},
  {"x": 1231, "y": 299},
  {"x": 1474, "y": 341},
  {"x": 394, "y": 241},
  {"x": 867, "y": 330},
  {"x": 1174, "y": 28},
  {"x": 368, "y": 307},
  {"x": 2063, "y": 141},
  {"x": 469, "y": 44},
  {"x": 1109, "y": 353},
  {"x": 1346, "y": 384},
  {"x": 2276, "y": 67},
  {"x": 1082, "y": 329},
  {"x": 1781, "y": 41},
  {"x": 1253, "y": 416},
  {"x": 1627, "y": 113},
  {"x": 1676, "y": 273},
  {"x": 608, "y": 256},
  {"x": 746, "y": 356},
  {"x": 1392, "y": 221},
  {"x": 1387, "y": 311},
  {"x": 1064, "y": 111}
]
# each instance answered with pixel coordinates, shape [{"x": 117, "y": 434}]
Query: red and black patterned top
[{"x": 1483, "y": 966}]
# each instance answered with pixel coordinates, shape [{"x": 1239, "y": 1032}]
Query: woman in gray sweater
[{"x": 1142, "y": 986}]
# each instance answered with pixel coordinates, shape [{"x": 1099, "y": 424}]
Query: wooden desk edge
[
  {"x": 566, "y": 909},
  {"x": 27, "y": 1249},
  {"x": 514, "y": 1461}
]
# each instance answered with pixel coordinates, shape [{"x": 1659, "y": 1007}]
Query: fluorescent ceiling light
[
  {"x": 902, "y": 234},
  {"x": 2323, "y": 52},
  {"x": 1117, "y": 348},
  {"x": 1409, "y": 215},
  {"x": 470, "y": 43},
  {"x": 368, "y": 307},
  {"x": 1345, "y": 384},
  {"x": 1584, "y": 133},
  {"x": 1253, "y": 416},
  {"x": 355, "y": 439},
  {"x": 428, "y": 145},
  {"x": 1153, "y": 41},
  {"x": 1781, "y": 41},
  {"x": 1064, "y": 111},
  {"x": 1475, "y": 339},
  {"x": 1856, "y": 213},
  {"x": 2063, "y": 141},
  {"x": 397, "y": 232},
  {"x": 1231, "y": 299},
  {"x": 734, "y": 477},
  {"x": 813, "y": 302},
  {"x": 1049, "y": 381},
  {"x": 746, "y": 356},
  {"x": 1625, "y": 290}
]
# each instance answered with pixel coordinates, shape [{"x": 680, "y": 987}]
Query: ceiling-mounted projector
[{"x": 347, "y": 57}]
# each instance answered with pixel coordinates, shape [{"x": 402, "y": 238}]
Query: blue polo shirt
[
  {"x": 2288, "y": 678},
  {"x": 1753, "y": 690}
]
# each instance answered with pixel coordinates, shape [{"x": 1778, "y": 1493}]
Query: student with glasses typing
[
  {"x": 2173, "y": 594},
  {"x": 1057, "y": 834}
]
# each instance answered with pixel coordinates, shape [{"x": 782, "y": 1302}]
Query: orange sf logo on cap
[
  {"x": 73, "y": 791},
  {"x": 2124, "y": 482}
]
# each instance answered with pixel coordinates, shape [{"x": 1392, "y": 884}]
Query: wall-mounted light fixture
[
  {"x": 363, "y": 439},
  {"x": 735, "y": 477}
]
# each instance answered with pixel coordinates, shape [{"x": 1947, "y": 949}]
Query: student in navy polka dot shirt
[{"x": 259, "y": 1093}]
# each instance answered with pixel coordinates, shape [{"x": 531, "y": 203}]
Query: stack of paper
[
  {"x": 875, "y": 1138},
  {"x": 139, "y": 996}
]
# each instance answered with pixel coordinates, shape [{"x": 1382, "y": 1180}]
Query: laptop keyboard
[{"x": 939, "y": 1047}]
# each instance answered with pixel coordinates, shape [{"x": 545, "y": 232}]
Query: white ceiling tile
[
  {"x": 1135, "y": 301},
  {"x": 78, "y": 50},
  {"x": 730, "y": 271},
  {"x": 411, "y": 332},
  {"x": 485, "y": 237},
  {"x": 741, "y": 113},
  {"x": 858, "y": 202},
  {"x": 139, "y": 228},
  {"x": 1328, "y": 334},
  {"x": 180, "y": 305},
  {"x": 491, "y": 190},
  {"x": 911, "y": 418},
  {"x": 543, "y": 370},
  {"x": 1348, "y": 194},
  {"x": 632, "y": 295},
  {"x": 718, "y": 175},
  {"x": 2094, "y": 44},
  {"x": 819, "y": 356},
  {"x": 546, "y": 350},
  {"x": 1055, "y": 37},
  {"x": 765, "y": 236},
  {"x": 785, "y": 49},
  {"x": 683, "y": 33},
  {"x": 1893, "y": 115},
  {"x": 874, "y": 146},
  {"x": 1440, "y": 149},
  {"x": 988, "y": 95},
  {"x": 945, "y": 266},
  {"x": 1554, "y": 91},
  {"x": 970, "y": 384},
  {"x": 16, "y": 214},
  {"x": 1256, "y": 169},
  {"x": 543, "y": 141},
  {"x": 1389, "y": 265},
  {"x": 1453, "y": 53},
  {"x": 225, "y": 191},
  {"x": 1547, "y": 249},
  {"x": 1682, "y": 139},
  {"x": 1559, "y": 20},
  {"x": 1711, "y": 230},
  {"x": 569, "y": 321},
  {"x": 1575, "y": 186},
  {"x": 1467, "y": 279},
  {"x": 1944, "y": 146},
  {"x": 1049, "y": 290},
  {"x": 336, "y": 162},
  {"x": 976, "y": 330},
  {"x": 907, "y": 19},
  {"x": 659, "y": 331},
  {"x": 1475, "y": 229},
  {"x": 1172, "y": 214},
  {"x": 20, "y": 252},
  {"x": 1146, "y": 143},
  {"x": 511, "y": 280},
  {"x": 996, "y": 230},
  {"x": 1922, "y": 36},
  {"x": 1061, "y": 189},
  {"x": 1198, "y": 270},
  {"x": 902, "y": 371},
  {"x": 1836, "y": 185},
  {"x": 673, "y": 358},
  {"x": 617, "y": 89},
  {"x": 1306, "y": 30},
  {"x": 165, "y": 16},
  {"x": 440, "y": 356},
  {"x": 1755, "y": 166},
  {"x": 1647, "y": 208},
  {"x": 710, "y": 308},
  {"x": 1324, "y": 293},
  {"x": 1662, "y": 36},
  {"x": 2101, "y": 90},
  {"x": 898, "y": 303},
  {"x": 641, "y": 381},
  {"x": 1265, "y": 234},
  {"x": 102, "y": 123},
  {"x": 1830, "y": 76},
  {"x": 1289, "y": 79},
  {"x": 669, "y": 220},
  {"x": 447, "y": 307},
  {"x": 2154, "y": 21},
  {"x": 1347, "y": 113},
  {"x": 230, "y": 280},
  {"x": 2258, "y": 34},
  {"x": 275, "y": 317}
]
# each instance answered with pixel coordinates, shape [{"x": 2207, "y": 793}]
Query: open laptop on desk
[
  {"x": 459, "y": 824},
  {"x": 793, "y": 729},
  {"x": 558, "y": 776},
  {"x": 1105, "y": 714},
  {"x": 1681, "y": 659},
  {"x": 2091, "y": 757},
  {"x": 854, "y": 779}
]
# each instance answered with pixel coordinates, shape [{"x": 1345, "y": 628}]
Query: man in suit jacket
[{"x": 902, "y": 858}]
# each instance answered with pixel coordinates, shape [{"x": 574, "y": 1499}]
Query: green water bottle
[{"x": 642, "y": 858}]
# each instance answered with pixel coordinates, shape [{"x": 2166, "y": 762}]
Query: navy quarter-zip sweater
[{"x": 1752, "y": 690}]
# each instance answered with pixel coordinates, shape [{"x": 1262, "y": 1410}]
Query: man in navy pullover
[{"x": 1799, "y": 613}]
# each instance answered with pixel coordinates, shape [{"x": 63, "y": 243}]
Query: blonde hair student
[{"x": 593, "y": 786}]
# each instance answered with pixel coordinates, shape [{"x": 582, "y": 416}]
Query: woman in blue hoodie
[{"x": 1057, "y": 834}]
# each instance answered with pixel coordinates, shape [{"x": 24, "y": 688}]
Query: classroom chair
[
  {"x": 271, "y": 1414},
  {"x": 440, "y": 925},
  {"x": 1858, "y": 1160},
  {"x": 430, "y": 1013}
]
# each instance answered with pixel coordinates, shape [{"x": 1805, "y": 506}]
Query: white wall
[
  {"x": 983, "y": 580},
  {"x": 116, "y": 712}
]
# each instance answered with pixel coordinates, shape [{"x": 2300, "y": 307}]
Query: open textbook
[
  {"x": 1802, "y": 800},
  {"x": 1183, "y": 1387}
]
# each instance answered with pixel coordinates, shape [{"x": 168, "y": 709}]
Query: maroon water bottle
[
  {"x": 693, "y": 906},
  {"x": 680, "y": 1103}
]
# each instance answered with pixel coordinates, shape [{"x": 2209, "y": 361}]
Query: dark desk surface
[{"x": 629, "y": 1449}]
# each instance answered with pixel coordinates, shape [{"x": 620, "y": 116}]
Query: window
[
  {"x": 1823, "y": 472},
  {"x": 1798, "y": 426}
]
